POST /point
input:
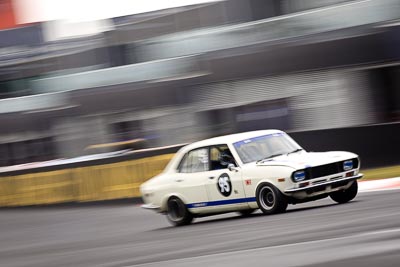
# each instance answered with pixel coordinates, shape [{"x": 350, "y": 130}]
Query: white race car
[{"x": 243, "y": 172}]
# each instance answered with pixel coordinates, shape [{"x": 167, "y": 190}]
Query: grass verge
[{"x": 381, "y": 173}]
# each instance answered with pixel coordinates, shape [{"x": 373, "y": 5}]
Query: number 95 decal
[{"x": 224, "y": 184}]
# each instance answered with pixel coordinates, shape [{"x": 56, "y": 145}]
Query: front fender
[{"x": 278, "y": 176}]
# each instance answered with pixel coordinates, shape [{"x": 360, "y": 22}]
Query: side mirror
[{"x": 232, "y": 167}]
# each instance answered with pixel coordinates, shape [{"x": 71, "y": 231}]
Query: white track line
[{"x": 283, "y": 246}]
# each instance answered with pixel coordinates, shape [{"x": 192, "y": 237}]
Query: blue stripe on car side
[{"x": 220, "y": 202}]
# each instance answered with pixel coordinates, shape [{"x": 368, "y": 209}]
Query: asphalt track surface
[{"x": 365, "y": 232}]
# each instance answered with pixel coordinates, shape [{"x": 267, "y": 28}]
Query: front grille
[
  {"x": 328, "y": 169},
  {"x": 324, "y": 170}
]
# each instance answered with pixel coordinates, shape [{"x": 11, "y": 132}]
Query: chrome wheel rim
[{"x": 267, "y": 198}]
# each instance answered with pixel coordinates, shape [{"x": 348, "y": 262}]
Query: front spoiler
[
  {"x": 150, "y": 207},
  {"x": 336, "y": 181}
]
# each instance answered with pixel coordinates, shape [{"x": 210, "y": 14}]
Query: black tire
[
  {"x": 246, "y": 213},
  {"x": 177, "y": 213},
  {"x": 345, "y": 195},
  {"x": 270, "y": 200}
]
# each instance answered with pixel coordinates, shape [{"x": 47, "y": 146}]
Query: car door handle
[
  {"x": 179, "y": 180},
  {"x": 211, "y": 177}
]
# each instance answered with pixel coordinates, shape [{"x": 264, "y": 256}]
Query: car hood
[{"x": 302, "y": 160}]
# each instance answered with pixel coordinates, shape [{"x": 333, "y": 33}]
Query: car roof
[
  {"x": 231, "y": 138},
  {"x": 225, "y": 139}
]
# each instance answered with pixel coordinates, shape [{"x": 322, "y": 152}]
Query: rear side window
[{"x": 195, "y": 161}]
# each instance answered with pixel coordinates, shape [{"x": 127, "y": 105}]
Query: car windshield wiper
[
  {"x": 272, "y": 156},
  {"x": 294, "y": 151}
]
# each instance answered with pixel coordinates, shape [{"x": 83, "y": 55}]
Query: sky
[{"x": 28, "y": 11}]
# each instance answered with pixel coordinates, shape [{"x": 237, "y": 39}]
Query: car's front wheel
[
  {"x": 345, "y": 195},
  {"x": 177, "y": 213},
  {"x": 270, "y": 200}
]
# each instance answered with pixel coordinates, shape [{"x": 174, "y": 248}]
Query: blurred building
[{"x": 183, "y": 74}]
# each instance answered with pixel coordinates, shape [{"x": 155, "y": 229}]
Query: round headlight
[
  {"x": 299, "y": 176},
  {"x": 348, "y": 165}
]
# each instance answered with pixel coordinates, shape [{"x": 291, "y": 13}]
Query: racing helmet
[{"x": 225, "y": 158}]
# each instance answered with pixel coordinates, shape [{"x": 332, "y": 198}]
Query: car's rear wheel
[
  {"x": 245, "y": 213},
  {"x": 270, "y": 200},
  {"x": 345, "y": 195},
  {"x": 177, "y": 213}
]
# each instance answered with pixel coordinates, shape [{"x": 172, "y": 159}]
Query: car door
[
  {"x": 225, "y": 188},
  {"x": 189, "y": 181}
]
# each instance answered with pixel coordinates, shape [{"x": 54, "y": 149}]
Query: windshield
[{"x": 266, "y": 146}]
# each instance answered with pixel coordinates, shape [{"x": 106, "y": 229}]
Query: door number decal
[{"x": 224, "y": 185}]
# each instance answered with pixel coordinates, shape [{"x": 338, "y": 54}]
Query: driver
[{"x": 226, "y": 158}]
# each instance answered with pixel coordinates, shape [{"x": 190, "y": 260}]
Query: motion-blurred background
[
  {"x": 96, "y": 96},
  {"x": 88, "y": 77}
]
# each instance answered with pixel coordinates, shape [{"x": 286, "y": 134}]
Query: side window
[
  {"x": 220, "y": 157},
  {"x": 195, "y": 161}
]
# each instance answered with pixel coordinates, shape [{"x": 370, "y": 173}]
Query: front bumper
[{"x": 322, "y": 186}]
